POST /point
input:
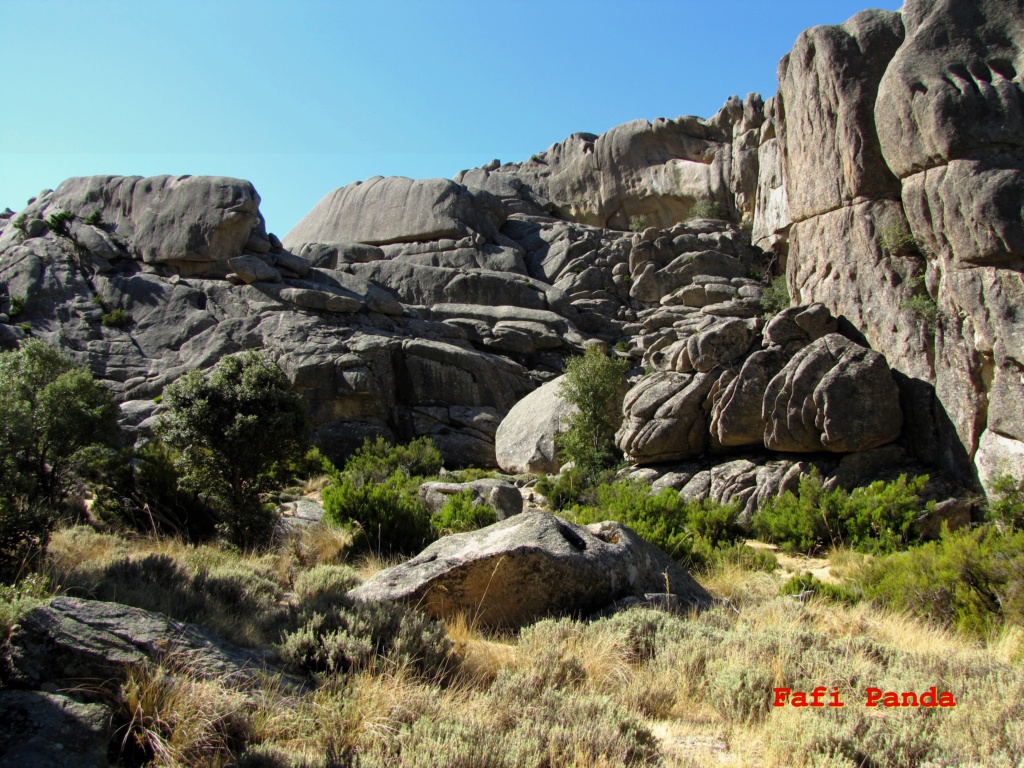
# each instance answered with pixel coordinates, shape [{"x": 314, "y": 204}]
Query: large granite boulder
[
  {"x": 502, "y": 496},
  {"x": 659, "y": 171},
  {"x": 833, "y": 395},
  {"x": 162, "y": 219},
  {"x": 525, "y": 440},
  {"x": 529, "y": 567},
  {"x": 396, "y": 210},
  {"x": 830, "y": 79}
]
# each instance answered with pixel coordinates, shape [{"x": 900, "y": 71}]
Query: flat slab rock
[
  {"x": 531, "y": 566},
  {"x": 73, "y": 639},
  {"x": 48, "y": 730}
]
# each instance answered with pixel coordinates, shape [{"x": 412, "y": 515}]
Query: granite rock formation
[{"x": 883, "y": 180}]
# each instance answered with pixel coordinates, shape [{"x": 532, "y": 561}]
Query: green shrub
[
  {"x": 387, "y": 517},
  {"x": 24, "y": 531},
  {"x": 898, "y": 240},
  {"x": 878, "y": 518},
  {"x": 775, "y": 296},
  {"x": 230, "y": 428},
  {"x": 95, "y": 218},
  {"x": 296, "y": 468},
  {"x": 58, "y": 222},
  {"x": 1006, "y": 502},
  {"x": 118, "y": 318},
  {"x": 806, "y": 582},
  {"x": 924, "y": 308},
  {"x": 565, "y": 489},
  {"x": 687, "y": 531},
  {"x": 593, "y": 383},
  {"x": 17, "y": 306},
  {"x": 637, "y": 223},
  {"x": 377, "y": 460},
  {"x": 362, "y": 634},
  {"x": 143, "y": 490},
  {"x": 971, "y": 580},
  {"x": 55, "y": 421},
  {"x": 460, "y": 514},
  {"x": 714, "y": 522},
  {"x": 708, "y": 209}
]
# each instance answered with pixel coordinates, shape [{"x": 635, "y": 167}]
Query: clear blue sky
[{"x": 302, "y": 96}]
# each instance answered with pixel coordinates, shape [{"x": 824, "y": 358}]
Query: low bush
[
  {"x": 637, "y": 223},
  {"x": 386, "y": 517},
  {"x": 142, "y": 490},
  {"x": 924, "y": 308},
  {"x": 746, "y": 558},
  {"x": 687, "y": 531},
  {"x": 377, "y": 460},
  {"x": 970, "y": 580},
  {"x": 460, "y": 514},
  {"x": 362, "y": 634},
  {"x": 708, "y": 209},
  {"x": 1006, "y": 503},
  {"x": 775, "y": 296},
  {"x": 878, "y": 518},
  {"x": 565, "y": 489},
  {"x": 117, "y": 318},
  {"x": 806, "y": 583}
]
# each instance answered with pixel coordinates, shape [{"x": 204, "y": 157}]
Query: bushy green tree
[
  {"x": 593, "y": 383},
  {"x": 55, "y": 421},
  {"x": 229, "y": 428}
]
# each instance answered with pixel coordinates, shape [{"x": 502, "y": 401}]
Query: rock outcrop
[
  {"x": 50, "y": 730},
  {"x": 531, "y": 566},
  {"x": 500, "y": 495},
  {"x": 883, "y": 180},
  {"x": 71, "y": 639}
]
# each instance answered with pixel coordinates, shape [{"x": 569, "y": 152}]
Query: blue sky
[{"x": 302, "y": 96}]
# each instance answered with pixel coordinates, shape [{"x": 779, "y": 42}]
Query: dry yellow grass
[{"x": 695, "y": 689}]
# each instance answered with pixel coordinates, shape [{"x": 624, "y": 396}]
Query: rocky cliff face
[{"x": 884, "y": 179}]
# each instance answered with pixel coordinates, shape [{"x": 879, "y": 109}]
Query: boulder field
[{"x": 883, "y": 180}]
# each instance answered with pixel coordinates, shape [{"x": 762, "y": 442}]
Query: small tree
[
  {"x": 55, "y": 419},
  {"x": 593, "y": 383},
  {"x": 230, "y": 427}
]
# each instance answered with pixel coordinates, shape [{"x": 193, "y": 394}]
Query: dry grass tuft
[
  {"x": 170, "y": 717},
  {"x": 481, "y": 656}
]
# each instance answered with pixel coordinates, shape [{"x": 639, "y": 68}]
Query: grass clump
[{"x": 881, "y": 517}]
